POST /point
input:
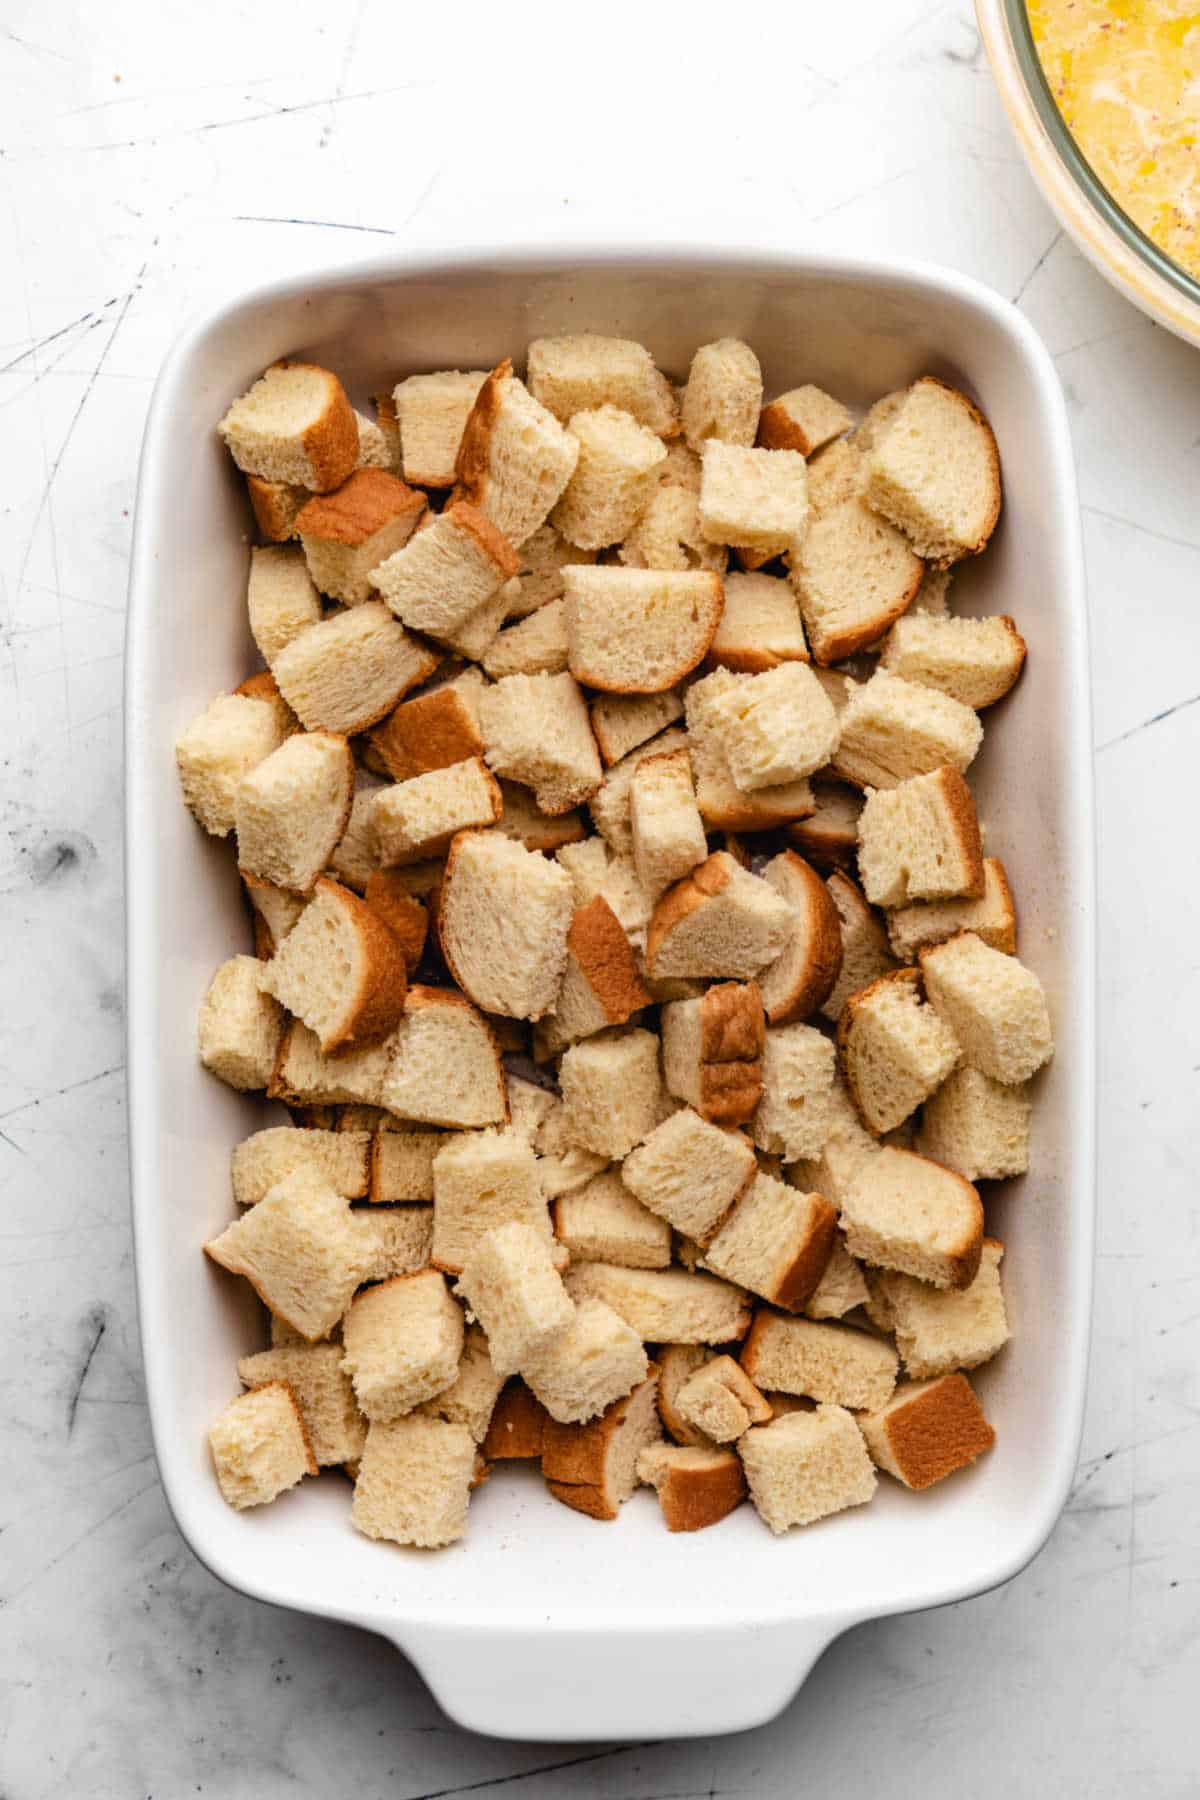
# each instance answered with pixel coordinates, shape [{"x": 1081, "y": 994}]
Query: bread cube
[
  {"x": 240, "y": 1025},
  {"x": 760, "y": 627},
  {"x": 668, "y": 535},
  {"x": 615, "y": 476},
  {"x": 414, "y": 1481},
  {"x": 583, "y": 371},
  {"x": 893, "y": 730},
  {"x": 622, "y": 722},
  {"x": 609, "y": 805},
  {"x": 723, "y": 804},
  {"x": 723, "y": 396},
  {"x": 349, "y": 671},
  {"x": 598, "y": 1359},
  {"x": 696, "y": 1486},
  {"x": 433, "y": 730},
  {"x": 593, "y": 1468},
  {"x": 313, "y": 1373},
  {"x": 928, "y": 1430},
  {"x": 638, "y": 631},
  {"x": 443, "y": 1064},
  {"x": 805, "y": 1466},
  {"x": 991, "y": 916},
  {"x": 400, "y": 1238},
  {"x": 231, "y": 737},
  {"x": 471, "y": 1397},
  {"x": 415, "y": 819},
  {"x": 600, "y": 986},
  {"x": 993, "y": 1004},
  {"x": 757, "y": 499},
  {"x": 721, "y": 1402},
  {"x": 828, "y": 838},
  {"x": 611, "y": 1090},
  {"x": 689, "y": 1172},
  {"x": 347, "y": 534},
  {"x": 937, "y": 1329},
  {"x": 828, "y": 1363},
  {"x": 677, "y": 1363},
  {"x": 260, "y": 1447},
  {"x": 865, "y": 953},
  {"x": 401, "y": 1164},
  {"x": 712, "y": 1051},
  {"x": 794, "y": 1116},
  {"x": 431, "y": 413},
  {"x": 668, "y": 832},
  {"x": 936, "y": 473},
  {"x": 291, "y": 809},
  {"x": 604, "y": 1222},
  {"x": 482, "y": 1179},
  {"x": 901, "y": 1211},
  {"x": 920, "y": 841},
  {"x": 405, "y": 917},
  {"x": 775, "y": 727},
  {"x": 517, "y": 1426},
  {"x": 276, "y": 505},
  {"x": 895, "y": 1049},
  {"x": 281, "y": 599},
  {"x": 977, "y": 1125},
  {"x": 775, "y": 1242},
  {"x": 803, "y": 975},
  {"x": 260, "y": 1161},
  {"x": 524, "y": 820},
  {"x": 445, "y": 572},
  {"x": 294, "y": 425},
  {"x": 515, "y": 459},
  {"x": 535, "y": 646},
  {"x": 719, "y": 921},
  {"x": 975, "y": 661},
  {"x": 299, "y": 1250},
  {"x": 403, "y": 1340},
  {"x": 836, "y": 474},
  {"x": 504, "y": 916},
  {"x": 665, "y": 1306},
  {"x": 841, "y": 1288},
  {"x": 514, "y": 1290},
  {"x": 854, "y": 575},
  {"x": 803, "y": 419},
  {"x": 340, "y": 970},
  {"x": 537, "y": 732}
]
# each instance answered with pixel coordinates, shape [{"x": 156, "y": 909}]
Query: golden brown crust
[
  {"x": 749, "y": 1354},
  {"x": 679, "y": 902},
  {"x": 1004, "y": 937},
  {"x": 816, "y": 976},
  {"x": 473, "y": 465},
  {"x": 939, "y": 1430},
  {"x": 778, "y": 430},
  {"x": 993, "y": 455},
  {"x": 264, "y": 943},
  {"x": 517, "y": 1425},
  {"x": 331, "y": 441},
  {"x": 491, "y": 541},
  {"x": 747, "y": 815},
  {"x": 589, "y": 1500},
  {"x": 275, "y": 505},
  {"x": 400, "y": 911},
  {"x": 693, "y": 1497},
  {"x": 597, "y": 941},
  {"x": 363, "y": 505},
  {"x": 960, "y": 805},
  {"x": 795, "y": 1284},
  {"x": 852, "y": 639},
  {"x": 434, "y": 731},
  {"x": 731, "y": 1022},
  {"x": 751, "y": 561},
  {"x": 262, "y": 686},
  {"x": 729, "y": 1092},
  {"x": 376, "y": 1008},
  {"x": 575, "y": 1457}
]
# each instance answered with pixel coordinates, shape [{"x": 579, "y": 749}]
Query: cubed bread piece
[
  {"x": 621, "y": 722},
  {"x": 354, "y": 860},
  {"x": 539, "y": 578},
  {"x": 611, "y": 1090},
  {"x": 231, "y": 737},
  {"x": 431, "y": 412},
  {"x": 515, "y": 459},
  {"x": 593, "y": 1467},
  {"x": 292, "y": 808},
  {"x": 721, "y": 1402},
  {"x": 303, "y": 1077},
  {"x": 479, "y": 629},
  {"x": 977, "y": 1125},
  {"x": 992, "y": 917},
  {"x": 689, "y": 1172},
  {"x": 400, "y": 1237},
  {"x": 696, "y": 1486},
  {"x": 374, "y": 449},
  {"x": 597, "y": 870},
  {"x": 879, "y": 419},
  {"x": 895, "y": 1049},
  {"x": 562, "y": 1165},
  {"x": 776, "y": 727},
  {"x": 600, "y": 984},
  {"x": 776, "y": 1242},
  {"x": 340, "y": 970},
  {"x": 928, "y": 1430},
  {"x": 405, "y": 917},
  {"x": 829, "y": 1363},
  {"x": 757, "y": 499},
  {"x": 524, "y": 820},
  {"x": 937, "y": 1329},
  {"x": 920, "y": 841},
  {"x": 294, "y": 425},
  {"x": 401, "y": 1164},
  {"x": 530, "y": 1105},
  {"x": 445, "y": 572},
  {"x": 841, "y": 1288},
  {"x": 865, "y": 953},
  {"x": 537, "y": 732},
  {"x": 836, "y": 474},
  {"x": 416, "y": 819},
  {"x": 975, "y": 661},
  {"x": 348, "y": 672},
  {"x": 597, "y": 1360},
  {"x": 259, "y": 1162},
  {"x": 668, "y": 832},
  {"x": 803, "y": 975},
  {"x": 993, "y": 1004},
  {"x": 276, "y": 506},
  {"x": 795, "y": 1114},
  {"x": 260, "y": 1447},
  {"x": 615, "y": 476},
  {"x": 805, "y": 1466},
  {"x": 348, "y": 534},
  {"x": 665, "y": 1306},
  {"x": 604, "y": 1222},
  {"x": 281, "y": 599},
  {"x": 719, "y": 921},
  {"x": 902, "y": 1211},
  {"x": 431, "y": 731},
  {"x": 514, "y": 1290},
  {"x": 760, "y": 626},
  {"x": 712, "y": 1051},
  {"x": 535, "y": 646},
  {"x": 299, "y": 1250},
  {"x": 483, "y": 1179},
  {"x": 403, "y": 1341},
  {"x": 723, "y": 397},
  {"x": 335, "y": 1428},
  {"x": 638, "y": 631},
  {"x": 414, "y": 1481},
  {"x": 893, "y": 730},
  {"x": 668, "y": 534},
  {"x": 240, "y": 1025},
  {"x": 677, "y": 1363},
  {"x": 609, "y": 805},
  {"x": 936, "y": 473},
  {"x": 582, "y": 371},
  {"x": 274, "y": 910},
  {"x": 854, "y": 574},
  {"x": 723, "y": 804},
  {"x": 804, "y": 419},
  {"x": 828, "y": 838},
  {"x": 444, "y": 1064},
  {"x": 472, "y": 1395},
  {"x": 517, "y": 1426},
  {"x": 503, "y": 921}
]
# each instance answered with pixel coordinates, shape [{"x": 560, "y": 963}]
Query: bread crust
[
  {"x": 575, "y": 1457},
  {"x": 816, "y": 974},
  {"x": 693, "y": 1498},
  {"x": 490, "y": 540},
  {"x": 730, "y": 1092},
  {"x": 937, "y": 1431},
  {"x": 472, "y": 467},
  {"x": 331, "y": 441},
  {"x": 796, "y": 1280},
  {"x": 960, "y": 805},
  {"x": 400, "y": 911},
  {"x": 732, "y": 1028},
  {"x": 993, "y": 457},
  {"x": 360, "y": 507},
  {"x": 376, "y": 1005},
  {"x": 605, "y": 957},
  {"x": 906, "y": 977},
  {"x": 432, "y": 731},
  {"x": 517, "y": 1425},
  {"x": 705, "y": 882},
  {"x": 275, "y": 506}
]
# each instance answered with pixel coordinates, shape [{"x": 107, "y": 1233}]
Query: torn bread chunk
[
  {"x": 756, "y": 499},
  {"x": 805, "y": 1466},
  {"x": 593, "y": 1467},
  {"x": 835, "y": 474},
  {"x": 992, "y": 916},
  {"x": 433, "y": 730},
  {"x": 776, "y": 1242},
  {"x": 920, "y": 841},
  {"x": 600, "y": 984},
  {"x": 668, "y": 534},
  {"x": 537, "y": 732},
  {"x": 335, "y": 1428},
  {"x": 374, "y": 450},
  {"x": 621, "y": 722},
  {"x": 260, "y": 1161},
  {"x": 524, "y": 820},
  {"x": 938, "y": 1329},
  {"x": 240, "y": 1025},
  {"x": 443, "y": 1063},
  {"x": 776, "y": 727},
  {"x": 828, "y": 1363},
  {"x": 721, "y": 1402},
  {"x": 696, "y": 1486},
  {"x": 416, "y": 819},
  {"x": 276, "y": 506},
  {"x": 638, "y": 631},
  {"x": 719, "y": 921},
  {"x": 597, "y": 870},
  {"x": 712, "y": 1051},
  {"x": 400, "y": 1238},
  {"x": 478, "y": 631},
  {"x": 614, "y": 478},
  {"x": 936, "y": 473},
  {"x": 539, "y": 578},
  {"x": 854, "y": 574},
  {"x": 604, "y": 1222},
  {"x": 354, "y": 861},
  {"x": 609, "y": 805},
  {"x": 975, "y": 661},
  {"x": 347, "y": 534},
  {"x": 348, "y": 672},
  {"x": 803, "y": 975},
  {"x": 612, "y": 1091},
  {"x": 804, "y": 419},
  {"x": 401, "y": 1164},
  {"x": 514, "y": 1290},
  {"x": 503, "y": 921},
  {"x": 895, "y": 1049},
  {"x": 294, "y": 425},
  {"x": 892, "y": 730},
  {"x": 928, "y": 1430},
  {"x": 340, "y": 970},
  {"x": 583, "y": 371},
  {"x": 977, "y": 1125},
  {"x": 690, "y": 1173},
  {"x": 841, "y": 1288},
  {"x": 471, "y": 1397},
  {"x": 668, "y": 832},
  {"x": 760, "y": 626},
  {"x": 994, "y": 1005},
  {"x": 865, "y": 952},
  {"x": 405, "y": 917},
  {"x": 481, "y": 1180},
  {"x": 723, "y": 396},
  {"x": 795, "y": 1115},
  {"x": 260, "y": 1447},
  {"x": 515, "y": 458},
  {"x": 597, "y": 1360},
  {"x": 403, "y": 1341},
  {"x": 535, "y": 646},
  {"x": 414, "y": 1481},
  {"x": 443, "y": 574},
  {"x": 517, "y": 1426},
  {"x": 230, "y": 738},
  {"x": 431, "y": 412},
  {"x": 665, "y": 1306},
  {"x": 677, "y": 1363},
  {"x": 305, "y": 1078},
  {"x": 723, "y": 804},
  {"x": 903, "y": 1212},
  {"x": 281, "y": 599}
]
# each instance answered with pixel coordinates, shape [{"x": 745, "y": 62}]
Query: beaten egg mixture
[{"x": 1126, "y": 77}]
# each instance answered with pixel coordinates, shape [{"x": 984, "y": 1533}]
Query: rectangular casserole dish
[{"x": 542, "y": 1624}]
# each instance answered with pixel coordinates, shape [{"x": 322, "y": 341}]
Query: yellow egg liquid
[{"x": 1126, "y": 77}]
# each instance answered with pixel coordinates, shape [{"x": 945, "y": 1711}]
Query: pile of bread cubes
[{"x": 626, "y": 954}]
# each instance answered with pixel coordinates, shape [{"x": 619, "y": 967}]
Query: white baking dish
[{"x": 543, "y": 1624}]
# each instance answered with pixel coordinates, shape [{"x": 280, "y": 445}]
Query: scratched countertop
[{"x": 155, "y": 157}]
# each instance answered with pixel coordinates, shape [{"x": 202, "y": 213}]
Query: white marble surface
[{"x": 155, "y": 157}]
